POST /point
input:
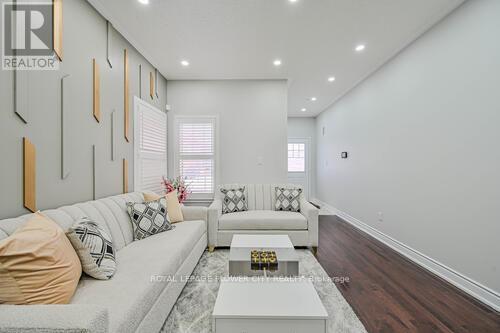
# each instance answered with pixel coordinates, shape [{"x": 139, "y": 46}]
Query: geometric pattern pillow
[
  {"x": 234, "y": 200},
  {"x": 148, "y": 218},
  {"x": 94, "y": 248},
  {"x": 287, "y": 199}
]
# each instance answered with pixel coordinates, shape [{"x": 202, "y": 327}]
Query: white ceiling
[{"x": 236, "y": 39}]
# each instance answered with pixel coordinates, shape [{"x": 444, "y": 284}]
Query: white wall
[
  {"x": 252, "y": 124},
  {"x": 305, "y": 127},
  {"x": 423, "y": 135}
]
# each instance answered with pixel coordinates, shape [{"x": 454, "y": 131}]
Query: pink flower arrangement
[{"x": 178, "y": 184}]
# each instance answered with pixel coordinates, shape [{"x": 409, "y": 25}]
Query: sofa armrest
[
  {"x": 192, "y": 213},
  {"x": 68, "y": 318},
  {"x": 311, "y": 214},
  {"x": 214, "y": 213}
]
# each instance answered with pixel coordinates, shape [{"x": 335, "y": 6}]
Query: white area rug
[{"x": 193, "y": 310}]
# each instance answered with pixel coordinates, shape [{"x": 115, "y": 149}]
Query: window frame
[
  {"x": 176, "y": 156},
  {"x": 304, "y": 158}
]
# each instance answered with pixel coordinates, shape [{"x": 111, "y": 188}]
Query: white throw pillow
[
  {"x": 234, "y": 200},
  {"x": 94, "y": 248},
  {"x": 287, "y": 199}
]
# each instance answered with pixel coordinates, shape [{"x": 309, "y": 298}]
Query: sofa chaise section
[{"x": 146, "y": 285}]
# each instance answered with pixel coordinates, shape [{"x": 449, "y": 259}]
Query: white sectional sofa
[
  {"x": 302, "y": 228},
  {"x": 133, "y": 300}
]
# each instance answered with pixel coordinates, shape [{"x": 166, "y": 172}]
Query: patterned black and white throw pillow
[
  {"x": 288, "y": 199},
  {"x": 94, "y": 247},
  {"x": 234, "y": 200},
  {"x": 148, "y": 218}
]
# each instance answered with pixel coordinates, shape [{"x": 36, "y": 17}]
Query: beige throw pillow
[
  {"x": 38, "y": 265},
  {"x": 174, "y": 209},
  {"x": 148, "y": 197}
]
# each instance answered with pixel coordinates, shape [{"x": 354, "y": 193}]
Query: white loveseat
[
  {"x": 302, "y": 227},
  {"x": 134, "y": 300}
]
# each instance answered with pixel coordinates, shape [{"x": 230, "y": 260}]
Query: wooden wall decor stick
[
  {"x": 29, "y": 175},
  {"x": 151, "y": 85},
  {"x": 96, "y": 91},
  {"x": 57, "y": 27},
  {"x": 109, "y": 42},
  {"x": 125, "y": 176},
  {"x": 156, "y": 83},
  {"x": 126, "y": 94},
  {"x": 65, "y": 126},
  {"x": 21, "y": 92}
]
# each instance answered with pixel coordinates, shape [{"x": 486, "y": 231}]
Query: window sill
[{"x": 198, "y": 202}]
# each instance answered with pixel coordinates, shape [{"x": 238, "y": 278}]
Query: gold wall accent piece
[
  {"x": 29, "y": 175},
  {"x": 96, "y": 91},
  {"x": 125, "y": 176},
  {"x": 156, "y": 83},
  {"x": 57, "y": 27},
  {"x": 151, "y": 85},
  {"x": 126, "y": 94}
]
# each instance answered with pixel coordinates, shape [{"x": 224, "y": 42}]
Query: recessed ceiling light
[
  {"x": 331, "y": 79},
  {"x": 144, "y": 2},
  {"x": 303, "y": 109},
  {"x": 292, "y": 0},
  {"x": 185, "y": 63},
  {"x": 313, "y": 99},
  {"x": 277, "y": 62},
  {"x": 360, "y": 47}
]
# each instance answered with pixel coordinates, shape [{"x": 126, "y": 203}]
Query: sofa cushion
[
  {"x": 94, "y": 248},
  {"x": 234, "y": 200},
  {"x": 287, "y": 199},
  {"x": 38, "y": 265},
  {"x": 174, "y": 209},
  {"x": 263, "y": 219},
  {"x": 148, "y": 218},
  {"x": 133, "y": 290}
]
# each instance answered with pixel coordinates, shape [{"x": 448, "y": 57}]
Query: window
[
  {"x": 195, "y": 154},
  {"x": 296, "y": 157},
  {"x": 150, "y": 147}
]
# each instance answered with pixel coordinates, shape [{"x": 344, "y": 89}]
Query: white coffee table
[
  {"x": 262, "y": 241},
  {"x": 241, "y": 246},
  {"x": 268, "y": 306}
]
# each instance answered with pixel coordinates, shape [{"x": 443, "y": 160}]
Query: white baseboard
[{"x": 468, "y": 285}]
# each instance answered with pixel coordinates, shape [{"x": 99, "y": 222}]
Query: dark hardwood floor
[{"x": 389, "y": 293}]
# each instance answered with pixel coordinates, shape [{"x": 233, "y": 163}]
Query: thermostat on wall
[{"x": 344, "y": 154}]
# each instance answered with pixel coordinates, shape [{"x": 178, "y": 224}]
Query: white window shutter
[
  {"x": 150, "y": 148},
  {"x": 196, "y": 154}
]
